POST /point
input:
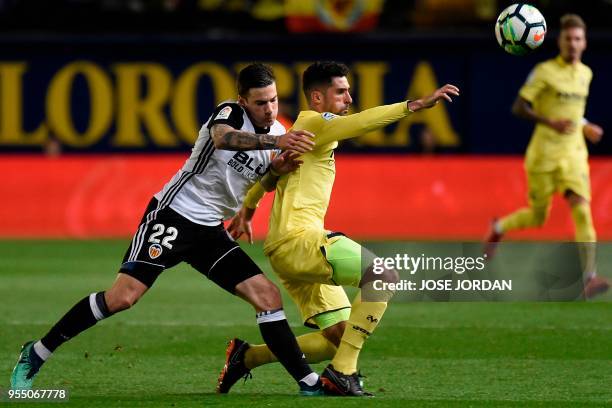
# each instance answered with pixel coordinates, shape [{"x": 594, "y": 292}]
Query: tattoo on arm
[
  {"x": 248, "y": 141},
  {"x": 240, "y": 140}
]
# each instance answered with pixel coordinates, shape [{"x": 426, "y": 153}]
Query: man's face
[
  {"x": 261, "y": 105},
  {"x": 337, "y": 98},
  {"x": 572, "y": 43}
]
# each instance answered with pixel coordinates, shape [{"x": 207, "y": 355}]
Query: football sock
[
  {"x": 315, "y": 347},
  {"x": 311, "y": 379},
  {"x": 277, "y": 334},
  {"x": 583, "y": 222},
  {"x": 361, "y": 323},
  {"x": 585, "y": 237},
  {"x": 523, "y": 218},
  {"x": 41, "y": 351},
  {"x": 82, "y": 316}
]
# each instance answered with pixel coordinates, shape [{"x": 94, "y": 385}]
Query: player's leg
[
  {"x": 131, "y": 283},
  {"x": 124, "y": 293},
  {"x": 317, "y": 346},
  {"x": 265, "y": 298},
  {"x": 575, "y": 185},
  {"x": 352, "y": 266},
  {"x": 541, "y": 187},
  {"x": 322, "y": 307},
  {"x": 334, "y": 333},
  {"x": 226, "y": 264},
  {"x": 325, "y": 261}
]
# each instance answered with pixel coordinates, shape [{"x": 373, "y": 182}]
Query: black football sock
[
  {"x": 86, "y": 313},
  {"x": 280, "y": 339}
]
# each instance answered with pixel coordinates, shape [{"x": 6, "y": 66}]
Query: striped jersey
[{"x": 211, "y": 186}]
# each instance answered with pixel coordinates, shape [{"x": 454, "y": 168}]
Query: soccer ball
[{"x": 520, "y": 29}]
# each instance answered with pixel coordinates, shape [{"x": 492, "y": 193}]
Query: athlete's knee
[
  {"x": 117, "y": 302},
  {"x": 125, "y": 293},
  {"x": 260, "y": 292},
  {"x": 390, "y": 276},
  {"x": 121, "y": 300},
  {"x": 377, "y": 273},
  {"x": 334, "y": 333},
  {"x": 269, "y": 299},
  {"x": 574, "y": 199}
]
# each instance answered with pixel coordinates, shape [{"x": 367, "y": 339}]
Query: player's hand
[
  {"x": 564, "y": 126},
  {"x": 300, "y": 141},
  {"x": 241, "y": 225},
  {"x": 592, "y": 132},
  {"x": 432, "y": 100},
  {"x": 286, "y": 162}
]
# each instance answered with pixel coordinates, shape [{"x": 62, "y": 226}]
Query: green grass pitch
[{"x": 168, "y": 350}]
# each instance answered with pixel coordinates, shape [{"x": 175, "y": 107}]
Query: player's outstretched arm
[
  {"x": 338, "y": 128},
  {"x": 432, "y": 100},
  {"x": 227, "y": 138}
]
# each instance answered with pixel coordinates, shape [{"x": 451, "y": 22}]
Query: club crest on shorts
[{"x": 155, "y": 250}]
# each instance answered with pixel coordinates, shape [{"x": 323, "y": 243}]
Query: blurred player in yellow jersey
[
  {"x": 312, "y": 262},
  {"x": 554, "y": 97}
]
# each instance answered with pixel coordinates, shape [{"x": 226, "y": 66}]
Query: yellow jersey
[
  {"x": 302, "y": 197},
  {"x": 557, "y": 90}
]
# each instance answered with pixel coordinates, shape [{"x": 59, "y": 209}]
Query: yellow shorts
[
  {"x": 307, "y": 275},
  {"x": 570, "y": 175}
]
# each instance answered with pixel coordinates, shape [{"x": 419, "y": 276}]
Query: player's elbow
[
  {"x": 218, "y": 135},
  {"x": 218, "y": 141},
  {"x": 520, "y": 108}
]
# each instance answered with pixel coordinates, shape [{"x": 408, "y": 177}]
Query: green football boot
[
  {"x": 26, "y": 369},
  {"x": 311, "y": 390}
]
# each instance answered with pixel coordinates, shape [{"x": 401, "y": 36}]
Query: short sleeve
[
  {"x": 534, "y": 85},
  {"x": 227, "y": 114}
]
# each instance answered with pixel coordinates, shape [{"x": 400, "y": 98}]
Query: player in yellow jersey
[
  {"x": 554, "y": 97},
  {"x": 312, "y": 262}
]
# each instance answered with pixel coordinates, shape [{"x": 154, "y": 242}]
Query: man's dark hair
[
  {"x": 256, "y": 75},
  {"x": 320, "y": 74}
]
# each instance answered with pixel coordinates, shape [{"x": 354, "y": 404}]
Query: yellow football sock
[
  {"x": 315, "y": 347},
  {"x": 583, "y": 221},
  {"x": 585, "y": 236},
  {"x": 523, "y": 218},
  {"x": 363, "y": 320}
]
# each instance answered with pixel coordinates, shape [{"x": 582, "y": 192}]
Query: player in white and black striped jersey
[{"x": 240, "y": 145}]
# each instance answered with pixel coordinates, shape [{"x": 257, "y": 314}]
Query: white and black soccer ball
[{"x": 520, "y": 29}]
